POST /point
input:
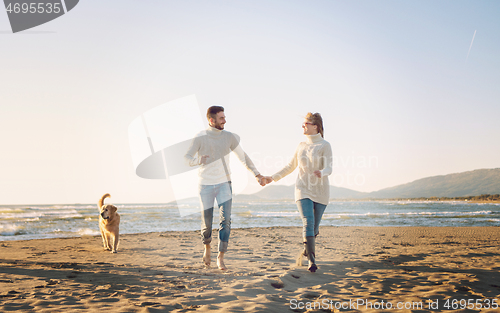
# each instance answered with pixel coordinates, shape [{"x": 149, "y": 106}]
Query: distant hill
[
  {"x": 345, "y": 193},
  {"x": 472, "y": 183},
  {"x": 281, "y": 192}
]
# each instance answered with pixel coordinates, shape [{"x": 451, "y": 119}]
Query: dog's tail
[{"x": 101, "y": 201}]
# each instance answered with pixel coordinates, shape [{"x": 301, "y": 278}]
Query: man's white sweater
[{"x": 217, "y": 144}]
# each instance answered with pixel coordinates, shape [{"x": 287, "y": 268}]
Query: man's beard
[{"x": 219, "y": 126}]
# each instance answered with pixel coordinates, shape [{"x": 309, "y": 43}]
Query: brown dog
[{"x": 109, "y": 224}]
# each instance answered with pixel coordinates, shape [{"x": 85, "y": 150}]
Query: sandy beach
[{"x": 360, "y": 269}]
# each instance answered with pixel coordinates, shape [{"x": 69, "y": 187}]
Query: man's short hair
[{"x": 212, "y": 111}]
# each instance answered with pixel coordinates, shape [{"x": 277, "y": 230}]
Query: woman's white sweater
[{"x": 315, "y": 154}]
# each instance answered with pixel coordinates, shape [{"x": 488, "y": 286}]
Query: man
[{"x": 212, "y": 147}]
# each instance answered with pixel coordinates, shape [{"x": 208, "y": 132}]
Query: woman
[{"x": 312, "y": 189}]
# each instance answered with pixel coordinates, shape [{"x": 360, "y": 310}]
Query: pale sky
[{"x": 401, "y": 95}]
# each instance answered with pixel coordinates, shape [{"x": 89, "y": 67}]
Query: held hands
[
  {"x": 268, "y": 179},
  {"x": 317, "y": 174},
  {"x": 261, "y": 180},
  {"x": 264, "y": 180}
]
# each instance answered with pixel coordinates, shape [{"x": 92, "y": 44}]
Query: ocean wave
[
  {"x": 368, "y": 214},
  {"x": 148, "y": 206},
  {"x": 11, "y": 210},
  {"x": 76, "y": 206},
  {"x": 445, "y": 213},
  {"x": 88, "y": 232},
  {"x": 271, "y": 204},
  {"x": 50, "y": 214},
  {"x": 473, "y": 214},
  {"x": 274, "y": 214},
  {"x": 407, "y": 202},
  {"x": 11, "y": 230},
  {"x": 354, "y": 216},
  {"x": 8, "y": 216}
]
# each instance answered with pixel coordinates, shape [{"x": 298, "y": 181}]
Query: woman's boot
[{"x": 310, "y": 249}]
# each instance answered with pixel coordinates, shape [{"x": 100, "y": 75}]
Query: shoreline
[
  {"x": 232, "y": 228},
  {"x": 236, "y": 200},
  {"x": 162, "y": 271},
  {"x": 414, "y": 200}
]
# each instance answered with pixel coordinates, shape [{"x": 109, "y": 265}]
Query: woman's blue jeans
[
  {"x": 223, "y": 194},
  {"x": 311, "y": 213}
]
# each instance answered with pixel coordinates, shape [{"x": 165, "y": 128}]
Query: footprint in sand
[
  {"x": 13, "y": 293},
  {"x": 52, "y": 282},
  {"x": 104, "y": 299},
  {"x": 149, "y": 303},
  {"x": 277, "y": 284},
  {"x": 311, "y": 295}
]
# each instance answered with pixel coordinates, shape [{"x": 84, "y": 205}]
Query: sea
[{"x": 26, "y": 222}]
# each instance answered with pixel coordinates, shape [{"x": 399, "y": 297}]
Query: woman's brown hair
[{"x": 316, "y": 119}]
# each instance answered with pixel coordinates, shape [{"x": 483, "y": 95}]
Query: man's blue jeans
[
  {"x": 223, "y": 194},
  {"x": 311, "y": 213}
]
